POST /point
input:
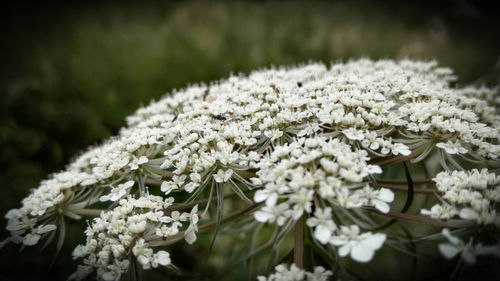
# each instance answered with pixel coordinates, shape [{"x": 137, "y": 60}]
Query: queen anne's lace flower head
[{"x": 306, "y": 142}]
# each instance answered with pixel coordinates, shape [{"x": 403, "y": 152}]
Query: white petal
[
  {"x": 386, "y": 195},
  {"x": 260, "y": 195},
  {"x": 190, "y": 237},
  {"x": 12, "y": 213},
  {"x": 163, "y": 258},
  {"x": 374, "y": 169},
  {"x": 189, "y": 187},
  {"x": 297, "y": 213},
  {"x": 381, "y": 206},
  {"x": 31, "y": 239},
  {"x": 108, "y": 276},
  {"x": 79, "y": 251},
  {"x": 353, "y": 134},
  {"x": 262, "y": 216},
  {"x": 362, "y": 254},
  {"x": 448, "y": 250},
  {"x": 425, "y": 212},
  {"x": 272, "y": 199},
  {"x": 453, "y": 239},
  {"x": 46, "y": 228},
  {"x": 449, "y": 149},
  {"x": 166, "y": 187},
  {"x": 195, "y": 209},
  {"x": 405, "y": 152},
  {"x": 322, "y": 233},
  {"x": 374, "y": 242},
  {"x": 142, "y": 160},
  {"x": 468, "y": 214},
  {"x": 337, "y": 241},
  {"x": 127, "y": 184},
  {"x": 312, "y": 222},
  {"x": 401, "y": 149},
  {"x": 344, "y": 250},
  {"x": 281, "y": 220},
  {"x": 227, "y": 175}
]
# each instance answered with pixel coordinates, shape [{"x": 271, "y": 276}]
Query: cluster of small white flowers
[
  {"x": 306, "y": 132},
  {"x": 484, "y": 102},
  {"x": 283, "y": 273},
  {"x": 319, "y": 166},
  {"x": 206, "y": 148},
  {"x": 472, "y": 195},
  {"x": 52, "y": 198},
  {"x": 130, "y": 228},
  {"x": 295, "y": 175}
]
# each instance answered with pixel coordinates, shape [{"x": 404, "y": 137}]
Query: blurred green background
[{"x": 71, "y": 71}]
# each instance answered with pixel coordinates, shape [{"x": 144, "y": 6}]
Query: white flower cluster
[
  {"x": 283, "y": 273},
  {"x": 127, "y": 231},
  {"x": 205, "y": 148},
  {"x": 54, "y": 197},
  {"x": 472, "y": 195},
  {"x": 327, "y": 171},
  {"x": 299, "y": 136}
]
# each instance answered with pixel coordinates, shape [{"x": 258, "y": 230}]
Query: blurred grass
[{"x": 71, "y": 72}]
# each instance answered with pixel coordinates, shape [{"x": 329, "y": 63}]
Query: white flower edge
[
  {"x": 360, "y": 246},
  {"x": 452, "y": 147},
  {"x": 284, "y": 273},
  {"x": 118, "y": 192},
  {"x": 467, "y": 251}
]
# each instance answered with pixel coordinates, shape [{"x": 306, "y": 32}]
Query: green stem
[
  {"x": 88, "y": 212},
  {"x": 298, "y": 250}
]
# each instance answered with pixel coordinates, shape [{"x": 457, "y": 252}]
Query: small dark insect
[
  {"x": 175, "y": 117},
  {"x": 219, "y": 117},
  {"x": 299, "y": 84},
  {"x": 205, "y": 94},
  {"x": 275, "y": 89}
]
